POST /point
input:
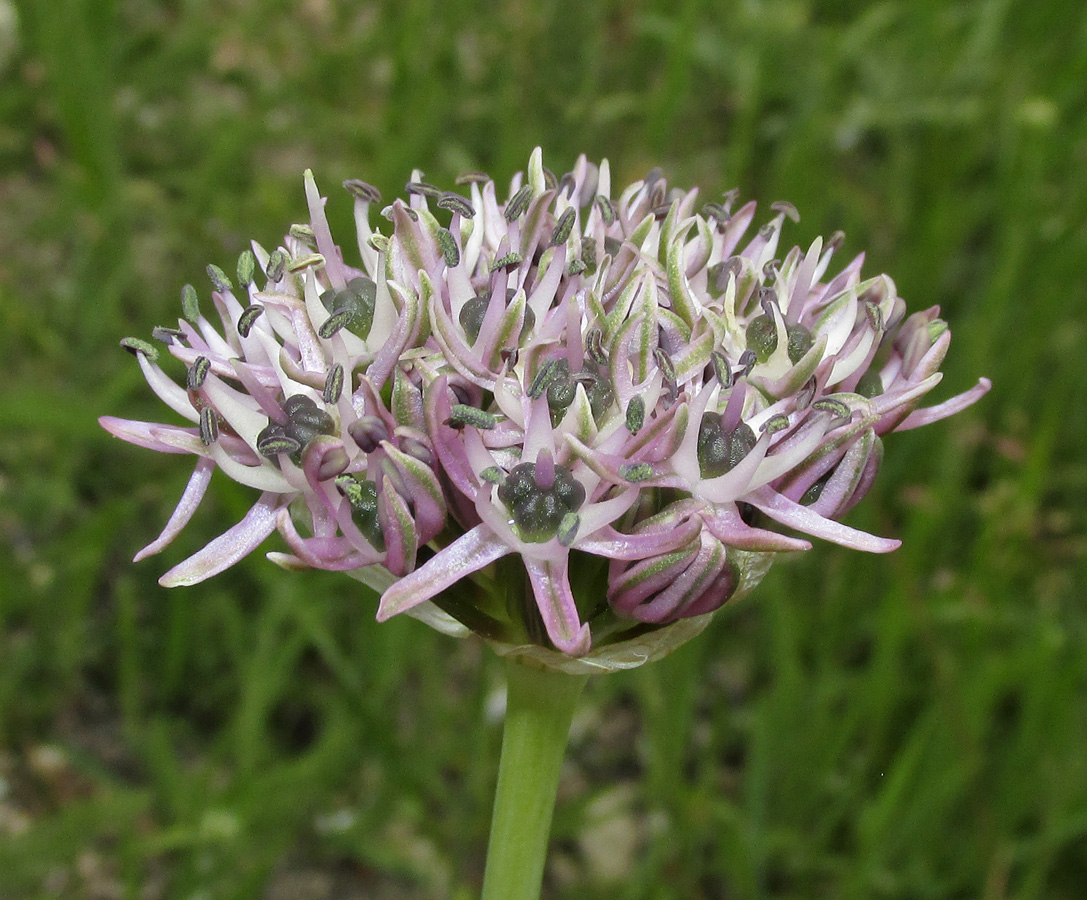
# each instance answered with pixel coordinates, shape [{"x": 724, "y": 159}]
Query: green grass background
[{"x": 912, "y": 726}]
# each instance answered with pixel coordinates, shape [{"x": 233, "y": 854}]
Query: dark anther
[
  {"x": 248, "y": 317},
  {"x": 304, "y": 235},
  {"x": 510, "y": 260},
  {"x": 167, "y": 335},
  {"x": 300, "y": 263},
  {"x": 362, "y": 191},
  {"x": 568, "y": 183},
  {"x": 190, "y": 306},
  {"x": 423, "y": 189},
  {"x": 518, "y": 203},
  {"x": 539, "y": 512},
  {"x": 835, "y": 407},
  {"x": 786, "y": 209},
  {"x": 457, "y": 204},
  {"x": 336, "y": 322},
  {"x": 746, "y": 362},
  {"x": 775, "y": 423},
  {"x": 594, "y": 347},
  {"x": 219, "y": 279},
  {"x": 275, "y": 439},
  {"x": 448, "y": 246},
  {"x": 550, "y": 180},
  {"x": 333, "y": 384},
  {"x": 462, "y": 416},
  {"x": 722, "y": 370},
  {"x": 607, "y": 209},
  {"x": 209, "y": 426},
  {"x": 576, "y": 267},
  {"x": 277, "y": 266},
  {"x": 771, "y": 269},
  {"x": 714, "y": 211},
  {"x": 473, "y": 178},
  {"x": 563, "y": 227},
  {"x": 135, "y": 346},
  {"x": 718, "y": 450},
  {"x": 543, "y": 377},
  {"x": 875, "y": 315},
  {"x": 247, "y": 265},
  {"x": 197, "y": 372},
  {"x": 835, "y": 241}
]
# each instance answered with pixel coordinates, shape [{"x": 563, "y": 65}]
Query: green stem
[{"x": 539, "y": 706}]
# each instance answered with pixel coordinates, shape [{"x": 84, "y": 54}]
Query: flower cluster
[{"x": 566, "y": 420}]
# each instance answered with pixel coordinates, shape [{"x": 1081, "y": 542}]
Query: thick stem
[{"x": 539, "y": 706}]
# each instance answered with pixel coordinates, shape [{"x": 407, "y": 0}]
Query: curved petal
[
  {"x": 958, "y": 403},
  {"x": 726, "y": 524},
  {"x": 148, "y": 434},
  {"x": 614, "y": 544},
  {"x": 229, "y": 547},
  {"x": 186, "y": 506},
  {"x": 802, "y": 518},
  {"x": 468, "y": 554}
]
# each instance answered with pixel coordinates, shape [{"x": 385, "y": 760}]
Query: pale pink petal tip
[
  {"x": 228, "y": 548},
  {"x": 186, "y": 506},
  {"x": 949, "y": 407}
]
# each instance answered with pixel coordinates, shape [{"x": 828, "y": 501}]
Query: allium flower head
[{"x": 577, "y": 419}]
